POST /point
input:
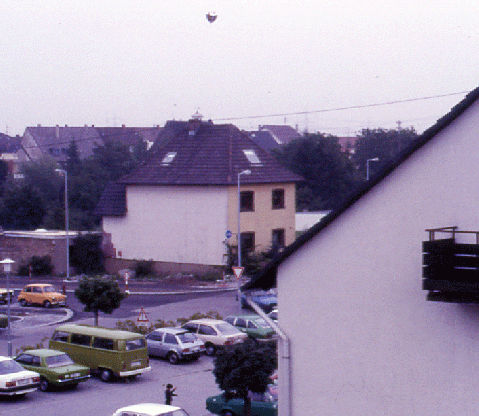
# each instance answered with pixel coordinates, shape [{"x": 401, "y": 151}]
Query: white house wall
[
  {"x": 364, "y": 340},
  {"x": 171, "y": 224}
]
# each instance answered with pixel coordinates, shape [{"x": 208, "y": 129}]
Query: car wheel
[
  {"x": 173, "y": 357},
  {"x": 106, "y": 375},
  {"x": 44, "y": 384},
  {"x": 210, "y": 349},
  {"x": 47, "y": 304},
  {"x": 227, "y": 413},
  {"x": 23, "y": 302}
]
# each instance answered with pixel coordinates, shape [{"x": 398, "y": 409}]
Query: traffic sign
[
  {"x": 229, "y": 234},
  {"x": 142, "y": 319},
  {"x": 238, "y": 271}
]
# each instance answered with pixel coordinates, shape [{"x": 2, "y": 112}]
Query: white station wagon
[
  {"x": 150, "y": 409},
  {"x": 215, "y": 333},
  {"x": 15, "y": 380}
]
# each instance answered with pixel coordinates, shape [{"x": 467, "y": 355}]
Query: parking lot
[{"x": 194, "y": 381}]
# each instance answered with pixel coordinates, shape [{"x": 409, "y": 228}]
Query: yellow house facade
[{"x": 181, "y": 208}]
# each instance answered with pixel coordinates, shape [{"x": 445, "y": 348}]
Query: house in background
[
  {"x": 177, "y": 207},
  {"x": 271, "y": 137},
  {"x": 54, "y": 142},
  {"x": 388, "y": 289},
  {"x": 12, "y": 153}
]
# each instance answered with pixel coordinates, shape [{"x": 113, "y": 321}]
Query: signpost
[
  {"x": 238, "y": 271},
  {"x": 142, "y": 319}
]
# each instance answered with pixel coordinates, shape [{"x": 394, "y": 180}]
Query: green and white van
[{"x": 109, "y": 352}]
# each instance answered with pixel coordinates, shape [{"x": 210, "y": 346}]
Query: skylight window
[
  {"x": 168, "y": 158},
  {"x": 251, "y": 156}
]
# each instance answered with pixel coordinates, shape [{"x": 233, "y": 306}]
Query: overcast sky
[{"x": 141, "y": 62}]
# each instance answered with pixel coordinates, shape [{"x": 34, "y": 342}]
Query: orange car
[{"x": 41, "y": 294}]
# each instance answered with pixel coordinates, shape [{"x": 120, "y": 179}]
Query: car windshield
[
  {"x": 227, "y": 329},
  {"x": 10, "y": 366},
  {"x": 187, "y": 337},
  {"x": 49, "y": 289},
  {"x": 58, "y": 361}
]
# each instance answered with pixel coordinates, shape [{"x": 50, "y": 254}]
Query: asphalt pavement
[{"x": 35, "y": 317}]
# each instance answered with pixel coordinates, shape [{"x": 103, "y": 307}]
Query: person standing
[{"x": 169, "y": 393}]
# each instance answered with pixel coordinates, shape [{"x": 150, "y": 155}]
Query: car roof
[
  {"x": 152, "y": 409},
  {"x": 38, "y": 284},
  {"x": 98, "y": 331},
  {"x": 43, "y": 352},
  {"x": 171, "y": 330},
  {"x": 250, "y": 316},
  {"x": 207, "y": 321}
]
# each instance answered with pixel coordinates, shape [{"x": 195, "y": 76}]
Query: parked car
[
  {"x": 41, "y": 294},
  {"x": 215, "y": 333},
  {"x": 175, "y": 344},
  {"x": 262, "y": 404},
  {"x": 4, "y": 296},
  {"x": 108, "y": 352},
  {"x": 16, "y": 380},
  {"x": 274, "y": 315},
  {"x": 150, "y": 409},
  {"x": 55, "y": 368},
  {"x": 253, "y": 325},
  {"x": 266, "y": 300}
]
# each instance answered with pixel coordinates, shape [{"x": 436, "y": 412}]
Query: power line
[{"x": 344, "y": 108}]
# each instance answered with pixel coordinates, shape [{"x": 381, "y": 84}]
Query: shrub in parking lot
[{"x": 132, "y": 326}]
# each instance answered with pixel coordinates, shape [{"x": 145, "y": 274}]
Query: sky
[{"x": 319, "y": 66}]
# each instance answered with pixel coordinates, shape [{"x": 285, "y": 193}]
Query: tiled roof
[
  {"x": 282, "y": 134},
  {"x": 209, "y": 155},
  {"x": 9, "y": 144},
  {"x": 264, "y": 139},
  {"x": 266, "y": 278},
  {"x": 56, "y": 140},
  {"x": 128, "y": 136},
  {"x": 112, "y": 202}
]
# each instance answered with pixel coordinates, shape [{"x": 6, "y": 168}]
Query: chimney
[{"x": 194, "y": 123}]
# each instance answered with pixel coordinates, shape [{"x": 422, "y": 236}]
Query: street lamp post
[
  {"x": 244, "y": 172},
  {"x": 376, "y": 159},
  {"x": 7, "y": 267},
  {"x": 65, "y": 174}
]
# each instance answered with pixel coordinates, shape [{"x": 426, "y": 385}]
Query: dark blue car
[{"x": 266, "y": 300}]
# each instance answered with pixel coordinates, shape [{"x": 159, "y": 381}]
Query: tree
[
  {"x": 99, "y": 294},
  {"x": 245, "y": 367},
  {"x": 21, "y": 209},
  {"x": 386, "y": 145},
  {"x": 329, "y": 174},
  {"x": 86, "y": 254}
]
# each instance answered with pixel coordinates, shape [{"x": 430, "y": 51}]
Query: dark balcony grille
[{"x": 451, "y": 270}]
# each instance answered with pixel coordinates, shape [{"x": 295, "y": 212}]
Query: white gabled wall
[
  {"x": 364, "y": 341},
  {"x": 171, "y": 224}
]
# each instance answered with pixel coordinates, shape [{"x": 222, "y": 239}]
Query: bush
[
  {"x": 40, "y": 266},
  {"x": 132, "y": 326},
  {"x": 144, "y": 268},
  {"x": 86, "y": 255}
]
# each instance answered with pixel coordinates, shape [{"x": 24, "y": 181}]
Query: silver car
[{"x": 175, "y": 344}]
